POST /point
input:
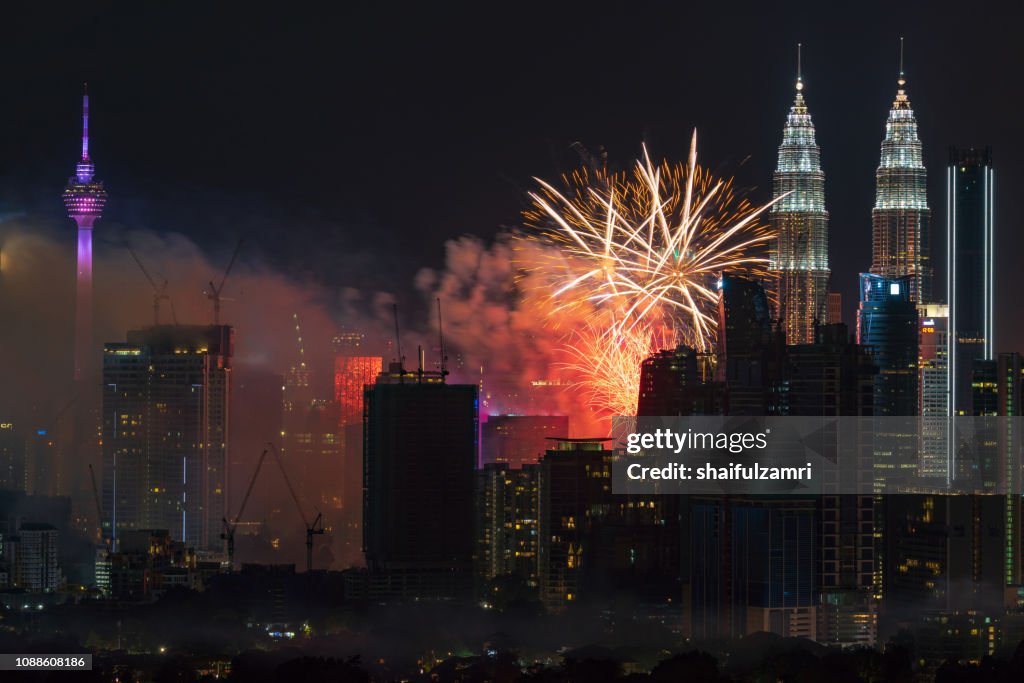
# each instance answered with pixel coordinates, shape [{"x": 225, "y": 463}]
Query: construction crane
[
  {"x": 317, "y": 527},
  {"x": 159, "y": 292},
  {"x": 96, "y": 499},
  {"x": 215, "y": 290},
  {"x": 229, "y": 527}
]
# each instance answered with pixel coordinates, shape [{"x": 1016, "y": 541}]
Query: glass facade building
[{"x": 970, "y": 194}]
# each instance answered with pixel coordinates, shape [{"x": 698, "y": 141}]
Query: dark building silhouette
[
  {"x": 575, "y": 496},
  {"x": 679, "y": 382},
  {"x": 420, "y": 451},
  {"x": 749, "y": 352},
  {"x": 833, "y": 377},
  {"x": 970, "y": 291}
]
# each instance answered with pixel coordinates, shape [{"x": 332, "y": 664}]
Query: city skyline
[{"x": 433, "y": 346}]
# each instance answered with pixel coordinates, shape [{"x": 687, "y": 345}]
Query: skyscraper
[
  {"x": 165, "y": 432},
  {"x": 887, "y": 326},
  {"x": 354, "y": 368},
  {"x": 84, "y": 198},
  {"x": 934, "y": 398},
  {"x": 748, "y": 350},
  {"x": 901, "y": 219},
  {"x": 970, "y": 244},
  {"x": 800, "y": 250},
  {"x": 575, "y": 498},
  {"x": 420, "y": 452}
]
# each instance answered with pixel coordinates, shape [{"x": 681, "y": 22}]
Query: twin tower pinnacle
[{"x": 900, "y": 218}]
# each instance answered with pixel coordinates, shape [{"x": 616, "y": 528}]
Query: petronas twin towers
[{"x": 900, "y": 219}]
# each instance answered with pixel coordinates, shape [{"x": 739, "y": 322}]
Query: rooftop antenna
[
  {"x": 902, "y": 80},
  {"x": 398, "y": 344},
  {"x": 799, "y": 70},
  {"x": 85, "y": 122},
  {"x": 440, "y": 336}
]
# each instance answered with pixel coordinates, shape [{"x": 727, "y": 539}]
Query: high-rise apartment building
[{"x": 166, "y": 420}]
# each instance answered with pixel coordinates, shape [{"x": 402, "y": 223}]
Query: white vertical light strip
[
  {"x": 986, "y": 267},
  {"x": 950, "y": 287},
  {"x": 990, "y": 261}
]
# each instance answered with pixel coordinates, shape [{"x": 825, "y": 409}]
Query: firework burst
[
  {"x": 649, "y": 246},
  {"x": 637, "y": 257},
  {"x": 608, "y": 360}
]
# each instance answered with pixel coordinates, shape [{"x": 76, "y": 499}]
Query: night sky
[{"x": 349, "y": 143}]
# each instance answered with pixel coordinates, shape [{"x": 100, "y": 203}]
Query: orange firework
[{"x": 638, "y": 256}]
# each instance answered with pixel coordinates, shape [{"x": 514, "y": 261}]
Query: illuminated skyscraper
[
  {"x": 900, "y": 221},
  {"x": 933, "y": 356},
  {"x": 354, "y": 368},
  {"x": 800, "y": 251},
  {"x": 165, "y": 432},
  {"x": 970, "y": 194},
  {"x": 84, "y": 198}
]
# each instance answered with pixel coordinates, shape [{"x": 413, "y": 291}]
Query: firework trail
[
  {"x": 609, "y": 362},
  {"x": 638, "y": 256}
]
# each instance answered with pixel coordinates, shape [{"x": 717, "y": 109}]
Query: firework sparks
[
  {"x": 607, "y": 362},
  {"x": 638, "y": 256},
  {"x": 648, "y": 246}
]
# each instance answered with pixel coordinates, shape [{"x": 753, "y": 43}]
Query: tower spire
[
  {"x": 85, "y": 122},
  {"x": 902, "y": 80},
  {"x": 799, "y": 69}
]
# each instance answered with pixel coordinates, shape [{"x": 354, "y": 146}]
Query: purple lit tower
[{"x": 84, "y": 198}]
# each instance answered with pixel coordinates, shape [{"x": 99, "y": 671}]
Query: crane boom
[{"x": 229, "y": 527}]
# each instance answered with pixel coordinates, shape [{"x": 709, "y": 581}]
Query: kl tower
[{"x": 84, "y": 198}]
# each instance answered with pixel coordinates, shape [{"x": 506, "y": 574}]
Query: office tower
[
  {"x": 970, "y": 265},
  {"x": 84, "y": 198},
  {"x": 834, "y": 377},
  {"x": 901, "y": 219},
  {"x": 934, "y": 395},
  {"x": 799, "y": 254},
  {"x": 354, "y": 368},
  {"x": 507, "y": 534},
  {"x": 835, "y": 308},
  {"x": 419, "y": 459},
  {"x": 575, "y": 496},
  {"x": 997, "y": 389},
  {"x": 519, "y": 439},
  {"x": 748, "y": 350},
  {"x": 679, "y": 382},
  {"x": 754, "y": 565},
  {"x": 887, "y": 326},
  {"x": 166, "y": 418}
]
